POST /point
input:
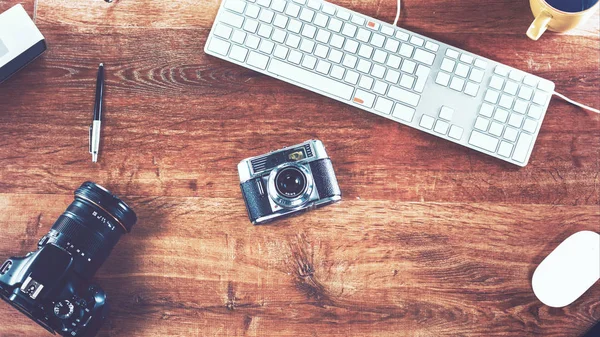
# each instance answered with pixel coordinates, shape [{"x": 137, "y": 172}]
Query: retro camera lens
[
  {"x": 91, "y": 227},
  {"x": 290, "y": 182}
]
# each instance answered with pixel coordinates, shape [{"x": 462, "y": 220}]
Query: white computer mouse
[{"x": 569, "y": 271}]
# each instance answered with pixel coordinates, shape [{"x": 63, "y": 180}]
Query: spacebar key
[{"x": 310, "y": 79}]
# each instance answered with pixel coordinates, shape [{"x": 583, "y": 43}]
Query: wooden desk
[{"x": 431, "y": 239}]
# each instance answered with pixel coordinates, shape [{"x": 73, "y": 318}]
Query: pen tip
[{"x": 101, "y": 64}]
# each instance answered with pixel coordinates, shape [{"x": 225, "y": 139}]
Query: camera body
[
  {"x": 287, "y": 181},
  {"x": 44, "y": 286},
  {"x": 52, "y": 285}
]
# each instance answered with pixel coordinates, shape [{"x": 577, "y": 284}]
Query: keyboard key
[
  {"x": 406, "y": 50},
  {"x": 321, "y": 20},
  {"x": 408, "y": 66},
  {"x": 462, "y": 70},
  {"x": 252, "y": 42},
  {"x": 279, "y": 36},
  {"x": 404, "y": 113},
  {"x": 351, "y": 46},
  {"x": 365, "y": 51},
  {"x": 385, "y": 30},
  {"x": 448, "y": 65},
  {"x": 335, "y": 25},
  {"x": 502, "y": 71},
  {"x": 280, "y": 21},
  {"x": 476, "y": 75},
  {"x": 258, "y": 60},
  {"x": 380, "y": 56},
  {"x": 520, "y": 106},
  {"x": 349, "y": 30},
  {"x": 380, "y": 87},
  {"x": 338, "y": 72},
  {"x": 384, "y": 105},
  {"x": 231, "y": 19},
  {"x": 223, "y": 31},
  {"x": 491, "y": 96},
  {"x": 281, "y": 52},
  {"x": 364, "y": 66},
  {"x": 530, "y": 81},
  {"x": 525, "y": 93},
  {"x": 236, "y": 5},
  {"x": 392, "y": 45},
  {"x": 466, "y": 58},
  {"x": 456, "y": 132},
  {"x": 446, "y": 113},
  {"x": 535, "y": 112},
  {"x": 350, "y": 61},
  {"x": 328, "y": 9},
  {"x": 417, "y": 41},
  {"x": 392, "y": 76},
  {"x": 497, "y": 82},
  {"x": 540, "y": 98},
  {"x": 366, "y": 82},
  {"x": 515, "y": 120},
  {"x": 343, "y": 15},
  {"x": 295, "y": 26},
  {"x": 457, "y": 84},
  {"x": 483, "y": 141},
  {"x": 264, "y": 3},
  {"x": 278, "y": 5},
  {"x": 482, "y": 124},
  {"x": 323, "y": 67},
  {"x": 307, "y": 15},
  {"x": 358, "y": 20},
  {"x": 427, "y": 122},
  {"x": 335, "y": 56},
  {"x": 252, "y": 11},
  {"x": 363, "y": 35},
  {"x": 471, "y": 89},
  {"x": 309, "y": 31},
  {"x": 505, "y": 149},
  {"x": 307, "y": 46},
  {"x": 432, "y": 46},
  {"x": 424, "y": 56},
  {"x": 351, "y": 77},
  {"x": 422, "y": 76},
  {"x": 511, "y": 134},
  {"x": 323, "y": 36},
  {"x": 404, "y": 96},
  {"x": 321, "y": 51},
  {"x": 265, "y": 31},
  {"x": 479, "y": 63},
  {"x": 292, "y": 10},
  {"x": 441, "y": 127},
  {"x": 452, "y": 53},
  {"x": 311, "y": 79},
  {"x": 309, "y": 62},
  {"x": 496, "y": 129},
  {"x": 295, "y": 57},
  {"x": 547, "y": 86},
  {"x": 219, "y": 46},
  {"x": 506, "y": 101},
  {"x": 238, "y": 53},
  {"x": 394, "y": 61},
  {"x": 522, "y": 148},
  {"x": 501, "y": 115},
  {"x": 530, "y": 125},
  {"x": 407, "y": 81},
  {"x": 442, "y": 79},
  {"x": 486, "y": 110},
  {"x": 378, "y": 40},
  {"x": 516, "y": 75},
  {"x": 402, "y": 36},
  {"x": 337, "y": 41}
]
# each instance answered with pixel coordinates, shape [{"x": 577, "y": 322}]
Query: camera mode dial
[{"x": 64, "y": 309}]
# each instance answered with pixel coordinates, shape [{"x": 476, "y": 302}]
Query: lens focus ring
[{"x": 80, "y": 236}]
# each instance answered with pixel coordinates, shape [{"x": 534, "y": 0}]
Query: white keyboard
[{"x": 388, "y": 71}]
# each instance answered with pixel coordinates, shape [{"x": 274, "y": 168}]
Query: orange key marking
[
  {"x": 371, "y": 24},
  {"x": 358, "y": 100}
]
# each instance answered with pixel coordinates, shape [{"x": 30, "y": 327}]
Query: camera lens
[
  {"x": 91, "y": 226},
  {"x": 290, "y": 182}
]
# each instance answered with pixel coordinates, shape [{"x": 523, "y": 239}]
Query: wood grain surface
[{"x": 431, "y": 239}]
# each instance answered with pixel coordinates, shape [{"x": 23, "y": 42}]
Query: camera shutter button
[{"x": 64, "y": 309}]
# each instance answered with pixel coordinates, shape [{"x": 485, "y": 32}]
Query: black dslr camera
[
  {"x": 287, "y": 181},
  {"x": 52, "y": 285}
]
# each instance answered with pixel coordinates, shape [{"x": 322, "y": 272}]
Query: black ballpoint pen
[{"x": 97, "y": 121}]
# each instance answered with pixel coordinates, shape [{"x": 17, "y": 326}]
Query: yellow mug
[{"x": 559, "y": 15}]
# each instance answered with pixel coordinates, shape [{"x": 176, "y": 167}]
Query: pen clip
[{"x": 90, "y": 139}]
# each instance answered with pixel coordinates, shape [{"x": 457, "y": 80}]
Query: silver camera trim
[{"x": 290, "y": 203}]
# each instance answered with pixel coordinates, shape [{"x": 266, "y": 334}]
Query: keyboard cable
[{"x": 583, "y": 106}]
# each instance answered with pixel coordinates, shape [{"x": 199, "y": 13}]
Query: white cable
[
  {"x": 577, "y": 103},
  {"x": 398, "y": 13}
]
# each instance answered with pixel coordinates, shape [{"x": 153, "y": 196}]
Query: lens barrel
[
  {"x": 91, "y": 226},
  {"x": 290, "y": 182}
]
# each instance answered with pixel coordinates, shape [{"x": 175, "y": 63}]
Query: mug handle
[{"x": 539, "y": 25}]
